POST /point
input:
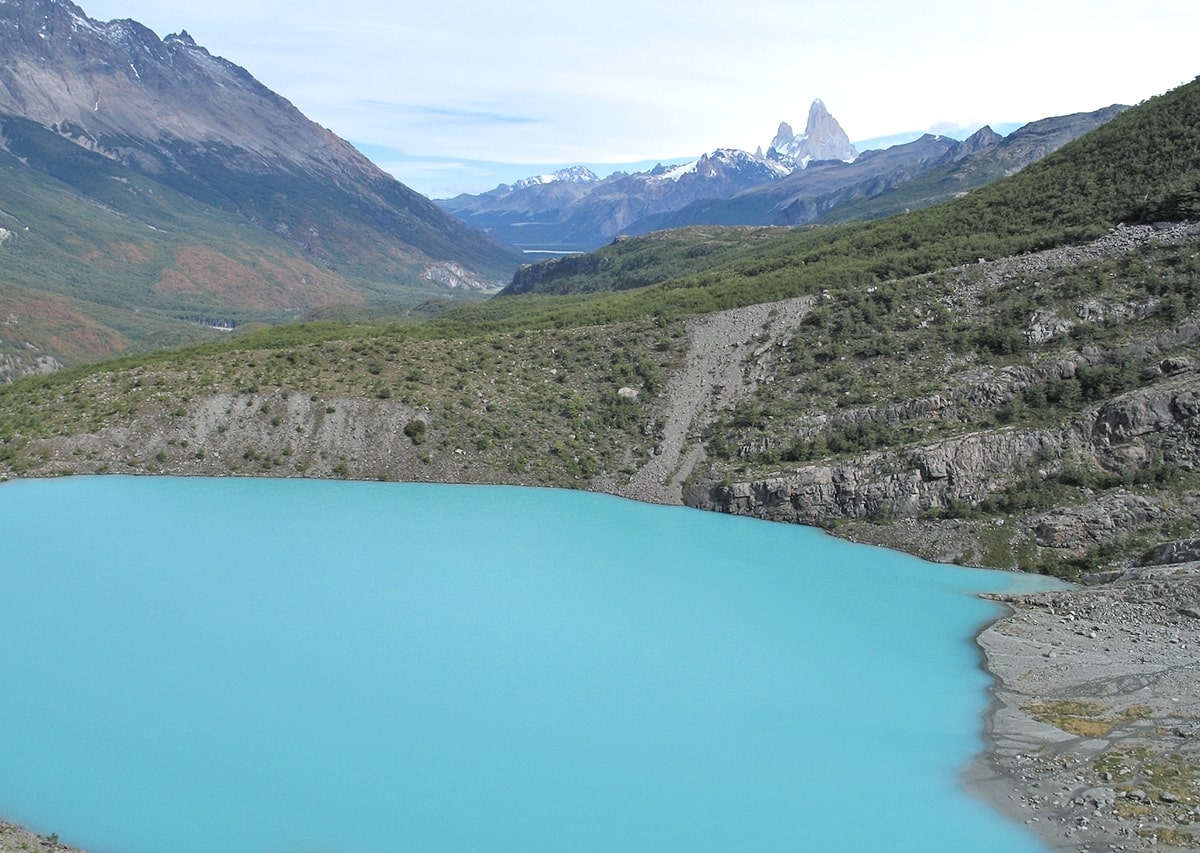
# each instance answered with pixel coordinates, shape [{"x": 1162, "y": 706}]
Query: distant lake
[
  {"x": 533, "y": 254},
  {"x": 309, "y": 666}
]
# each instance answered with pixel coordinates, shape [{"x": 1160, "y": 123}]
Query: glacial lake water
[{"x": 308, "y": 667}]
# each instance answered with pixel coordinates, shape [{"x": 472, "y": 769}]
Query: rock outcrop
[
  {"x": 823, "y": 139},
  {"x": 900, "y": 484}
]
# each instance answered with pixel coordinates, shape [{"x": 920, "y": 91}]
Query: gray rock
[{"x": 1170, "y": 553}]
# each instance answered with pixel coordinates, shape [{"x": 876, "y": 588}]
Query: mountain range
[
  {"x": 800, "y": 179},
  {"x": 152, "y": 194},
  {"x": 573, "y": 209}
]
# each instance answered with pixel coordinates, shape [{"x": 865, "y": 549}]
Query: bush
[{"x": 416, "y": 430}]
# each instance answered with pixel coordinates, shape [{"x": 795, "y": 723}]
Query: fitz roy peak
[{"x": 823, "y": 139}]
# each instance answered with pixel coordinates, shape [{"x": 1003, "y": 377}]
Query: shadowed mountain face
[{"x": 87, "y": 106}]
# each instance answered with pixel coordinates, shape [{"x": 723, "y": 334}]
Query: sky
[{"x": 461, "y": 96}]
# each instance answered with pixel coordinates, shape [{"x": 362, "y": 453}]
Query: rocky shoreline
[
  {"x": 1094, "y": 734},
  {"x": 18, "y": 839}
]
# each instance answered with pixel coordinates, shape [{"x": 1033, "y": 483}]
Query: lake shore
[
  {"x": 1093, "y": 738},
  {"x": 18, "y": 839}
]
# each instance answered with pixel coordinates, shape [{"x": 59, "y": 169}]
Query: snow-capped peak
[
  {"x": 823, "y": 139},
  {"x": 569, "y": 175},
  {"x": 720, "y": 162}
]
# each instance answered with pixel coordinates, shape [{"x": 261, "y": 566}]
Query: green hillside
[
  {"x": 1139, "y": 167},
  {"x": 144, "y": 265},
  {"x": 991, "y": 381}
]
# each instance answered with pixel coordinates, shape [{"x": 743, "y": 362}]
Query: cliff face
[
  {"x": 1133, "y": 430},
  {"x": 891, "y": 485}
]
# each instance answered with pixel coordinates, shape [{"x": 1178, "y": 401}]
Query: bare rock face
[
  {"x": 1165, "y": 421},
  {"x": 1080, "y": 527},
  {"x": 116, "y": 80},
  {"x": 899, "y": 485},
  {"x": 1172, "y": 553},
  {"x": 1045, "y": 325},
  {"x": 823, "y": 139}
]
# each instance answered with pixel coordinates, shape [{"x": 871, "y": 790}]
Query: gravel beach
[{"x": 1094, "y": 733}]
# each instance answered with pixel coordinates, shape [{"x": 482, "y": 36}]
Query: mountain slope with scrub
[
  {"x": 1006, "y": 379},
  {"x": 159, "y": 195}
]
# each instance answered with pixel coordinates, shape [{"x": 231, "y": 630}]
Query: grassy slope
[
  {"x": 143, "y": 262},
  {"x": 522, "y": 389}
]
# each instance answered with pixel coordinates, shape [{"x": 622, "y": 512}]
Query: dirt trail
[{"x": 716, "y": 374}]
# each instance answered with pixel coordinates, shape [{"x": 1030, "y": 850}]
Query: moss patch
[{"x": 1085, "y": 719}]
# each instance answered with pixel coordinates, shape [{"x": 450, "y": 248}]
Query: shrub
[{"x": 416, "y": 430}]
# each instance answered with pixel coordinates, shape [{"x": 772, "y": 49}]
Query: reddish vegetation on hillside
[
  {"x": 263, "y": 285},
  {"x": 45, "y": 323}
]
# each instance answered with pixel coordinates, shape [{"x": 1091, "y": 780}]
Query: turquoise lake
[{"x": 307, "y": 667}]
